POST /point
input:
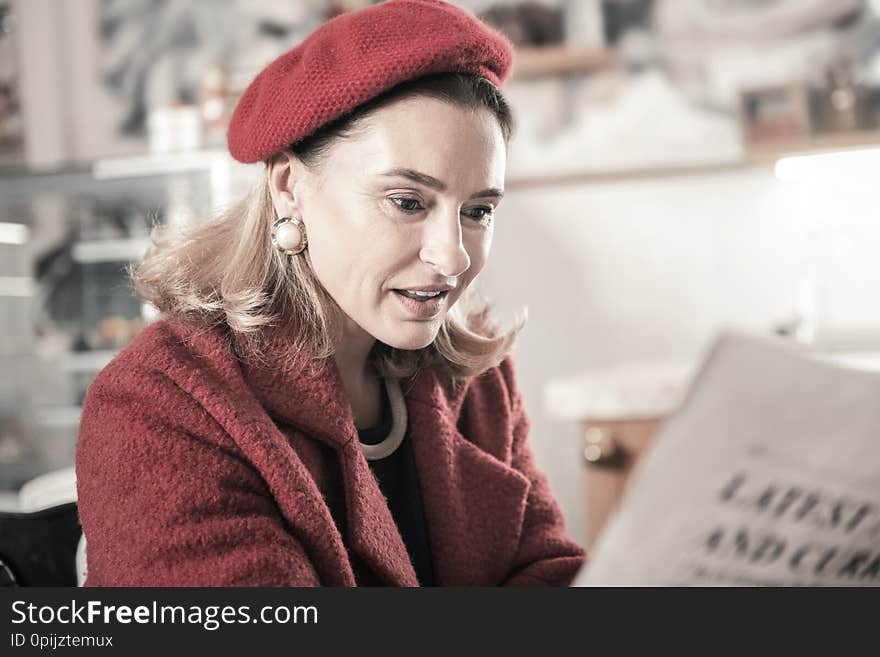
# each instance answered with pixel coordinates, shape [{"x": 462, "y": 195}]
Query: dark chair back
[{"x": 39, "y": 548}]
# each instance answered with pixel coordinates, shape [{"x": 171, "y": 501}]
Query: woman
[{"x": 319, "y": 407}]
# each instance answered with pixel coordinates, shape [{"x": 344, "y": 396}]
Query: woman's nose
[{"x": 442, "y": 246}]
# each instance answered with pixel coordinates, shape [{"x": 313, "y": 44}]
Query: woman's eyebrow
[{"x": 434, "y": 183}]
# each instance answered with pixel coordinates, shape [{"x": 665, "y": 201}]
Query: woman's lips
[{"x": 424, "y": 309}]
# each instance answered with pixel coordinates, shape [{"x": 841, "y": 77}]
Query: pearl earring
[{"x": 289, "y": 235}]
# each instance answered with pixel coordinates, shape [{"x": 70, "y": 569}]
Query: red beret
[{"x": 355, "y": 57}]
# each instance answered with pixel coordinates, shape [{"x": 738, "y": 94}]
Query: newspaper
[{"x": 769, "y": 474}]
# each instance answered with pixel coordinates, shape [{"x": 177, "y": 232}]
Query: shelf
[
  {"x": 18, "y": 286},
  {"x": 24, "y": 184},
  {"x": 225, "y": 176},
  {"x": 87, "y": 361},
  {"x": 519, "y": 181},
  {"x": 531, "y": 62},
  {"x": 19, "y": 183},
  {"x": 113, "y": 168},
  {"x": 559, "y": 60},
  {"x": 130, "y": 166},
  {"x": 848, "y": 340},
  {"x": 776, "y": 148},
  {"x": 21, "y": 173},
  {"x": 869, "y": 362},
  {"x": 755, "y": 155},
  {"x": 58, "y": 417},
  {"x": 112, "y": 250},
  {"x": 141, "y": 166}
]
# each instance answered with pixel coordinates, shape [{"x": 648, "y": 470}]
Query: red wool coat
[{"x": 197, "y": 469}]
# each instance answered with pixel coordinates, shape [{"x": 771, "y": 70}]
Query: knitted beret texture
[{"x": 355, "y": 57}]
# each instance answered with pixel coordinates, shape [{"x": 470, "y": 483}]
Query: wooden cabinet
[
  {"x": 612, "y": 449},
  {"x": 619, "y": 411}
]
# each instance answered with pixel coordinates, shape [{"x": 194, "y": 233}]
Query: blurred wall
[{"x": 641, "y": 270}]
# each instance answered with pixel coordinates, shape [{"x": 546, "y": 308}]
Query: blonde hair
[{"x": 226, "y": 272}]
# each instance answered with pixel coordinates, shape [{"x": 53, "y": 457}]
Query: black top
[{"x": 399, "y": 482}]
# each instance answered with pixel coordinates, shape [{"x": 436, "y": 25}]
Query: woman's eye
[
  {"x": 407, "y": 204},
  {"x": 483, "y": 214}
]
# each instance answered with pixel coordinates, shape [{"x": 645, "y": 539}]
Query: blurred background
[{"x": 680, "y": 167}]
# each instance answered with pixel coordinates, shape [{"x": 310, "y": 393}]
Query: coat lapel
[
  {"x": 310, "y": 397},
  {"x": 372, "y": 532},
  {"x": 474, "y": 504}
]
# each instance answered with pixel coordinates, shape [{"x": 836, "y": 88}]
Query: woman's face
[{"x": 406, "y": 204}]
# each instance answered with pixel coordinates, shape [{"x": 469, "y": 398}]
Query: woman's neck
[{"x": 361, "y": 381}]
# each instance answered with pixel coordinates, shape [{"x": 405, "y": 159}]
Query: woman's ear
[{"x": 283, "y": 171}]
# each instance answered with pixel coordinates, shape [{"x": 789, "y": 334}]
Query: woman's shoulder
[
  {"x": 171, "y": 348},
  {"x": 168, "y": 363},
  {"x": 496, "y": 389},
  {"x": 171, "y": 379}
]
